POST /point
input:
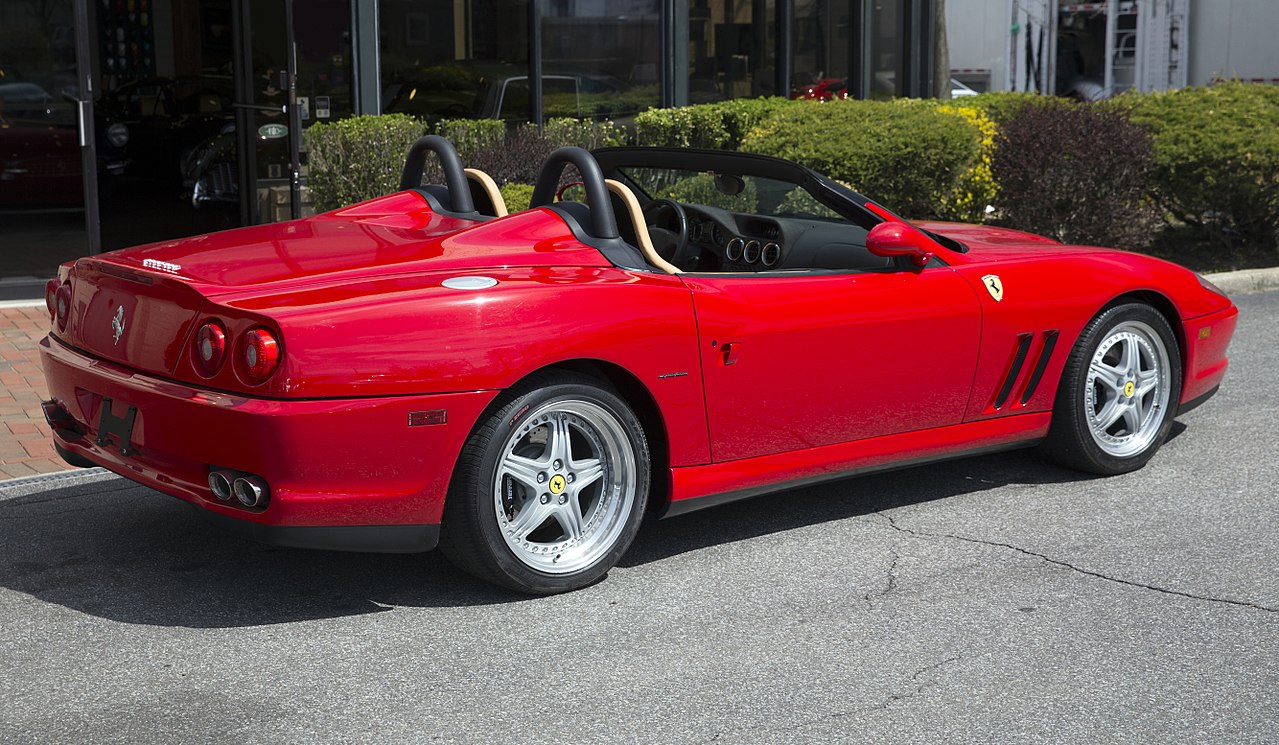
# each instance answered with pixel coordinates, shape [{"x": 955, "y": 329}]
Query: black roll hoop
[
  {"x": 603, "y": 223},
  {"x": 454, "y": 177}
]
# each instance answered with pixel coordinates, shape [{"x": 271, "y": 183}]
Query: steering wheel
[
  {"x": 559, "y": 195},
  {"x": 671, "y": 244}
]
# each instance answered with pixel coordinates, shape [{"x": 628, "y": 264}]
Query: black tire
[
  {"x": 1078, "y": 436},
  {"x": 487, "y": 499}
]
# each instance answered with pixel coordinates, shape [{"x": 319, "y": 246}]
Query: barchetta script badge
[
  {"x": 117, "y": 323},
  {"x": 994, "y": 286}
]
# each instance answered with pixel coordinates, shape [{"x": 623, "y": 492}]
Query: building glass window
[
  {"x": 822, "y": 31},
  {"x": 42, "y": 196},
  {"x": 455, "y": 59},
  {"x": 884, "y": 52},
  {"x": 600, "y": 57},
  {"x": 732, "y": 48}
]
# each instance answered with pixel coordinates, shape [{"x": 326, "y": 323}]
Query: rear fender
[{"x": 412, "y": 335}]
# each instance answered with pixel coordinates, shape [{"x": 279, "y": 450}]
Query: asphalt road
[{"x": 996, "y": 599}]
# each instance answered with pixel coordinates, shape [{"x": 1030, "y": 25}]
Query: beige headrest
[{"x": 489, "y": 186}]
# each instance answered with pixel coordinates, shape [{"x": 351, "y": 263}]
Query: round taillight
[
  {"x": 50, "y": 293},
  {"x": 210, "y": 349},
  {"x": 62, "y": 305},
  {"x": 259, "y": 355}
]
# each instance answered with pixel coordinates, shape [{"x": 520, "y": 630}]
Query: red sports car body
[{"x": 349, "y": 380}]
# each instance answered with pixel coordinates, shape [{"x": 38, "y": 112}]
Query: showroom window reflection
[
  {"x": 600, "y": 57},
  {"x": 731, "y": 49},
  {"x": 455, "y": 60},
  {"x": 606, "y": 59}
]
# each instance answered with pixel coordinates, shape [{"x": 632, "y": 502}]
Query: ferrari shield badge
[
  {"x": 994, "y": 286},
  {"x": 117, "y": 323}
]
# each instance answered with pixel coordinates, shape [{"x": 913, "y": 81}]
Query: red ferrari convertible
[{"x": 424, "y": 369}]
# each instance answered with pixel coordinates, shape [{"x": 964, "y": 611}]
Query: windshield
[{"x": 750, "y": 195}]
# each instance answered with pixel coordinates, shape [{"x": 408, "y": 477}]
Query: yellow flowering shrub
[{"x": 975, "y": 188}]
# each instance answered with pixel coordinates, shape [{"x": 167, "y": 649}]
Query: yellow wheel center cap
[
  {"x": 1130, "y": 388},
  {"x": 557, "y": 484}
]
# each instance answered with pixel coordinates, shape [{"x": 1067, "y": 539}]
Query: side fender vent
[
  {"x": 1014, "y": 370},
  {"x": 1045, "y": 353}
]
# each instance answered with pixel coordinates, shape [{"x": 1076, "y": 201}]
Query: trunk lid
[
  {"x": 139, "y": 319},
  {"x": 397, "y": 234},
  {"x": 140, "y": 306}
]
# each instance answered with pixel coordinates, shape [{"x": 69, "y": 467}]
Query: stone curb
[
  {"x": 1246, "y": 281},
  {"x": 16, "y": 487}
]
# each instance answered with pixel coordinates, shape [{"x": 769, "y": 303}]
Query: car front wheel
[
  {"x": 1118, "y": 392},
  {"x": 550, "y": 488}
]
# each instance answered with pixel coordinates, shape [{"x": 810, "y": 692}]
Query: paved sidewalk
[{"x": 25, "y": 446}]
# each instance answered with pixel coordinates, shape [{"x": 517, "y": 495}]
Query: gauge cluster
[{"x": 756, "y": 249}]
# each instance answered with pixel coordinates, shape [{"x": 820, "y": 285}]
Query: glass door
[
  {"x": 161, "y": 72},
  {"x": 321, "y": 33},
  {"x": 47, "y": 164}
]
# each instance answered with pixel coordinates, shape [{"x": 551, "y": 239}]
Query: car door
[{"x": 801, "y": 360}]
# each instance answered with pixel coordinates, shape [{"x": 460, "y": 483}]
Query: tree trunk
[{"x": 941, "y": 52}]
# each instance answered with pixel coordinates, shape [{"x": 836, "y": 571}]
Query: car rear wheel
[
  {"x": 550, "y": 488},
  {"x": 1118, "y": 392}
]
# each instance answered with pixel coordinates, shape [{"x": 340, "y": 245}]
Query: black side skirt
[{"x": 684, "y": 506}]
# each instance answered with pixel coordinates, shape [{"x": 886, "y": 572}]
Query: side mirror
[{"x": 892, "y": 239}]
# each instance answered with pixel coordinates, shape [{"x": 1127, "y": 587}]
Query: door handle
[
  {"x": 730, "y": 350},
  {"x": 256, "y": 107},
  {"x": 81, "y": 116}
]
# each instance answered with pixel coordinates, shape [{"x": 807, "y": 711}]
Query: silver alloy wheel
[
  {"x": 564, "y": 486},
  {"x": 1127, "y": 389}
]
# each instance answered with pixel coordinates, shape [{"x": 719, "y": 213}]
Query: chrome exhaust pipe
[
  {"x": 251, "y": 491},
  {"x": 220, "y": 484}
]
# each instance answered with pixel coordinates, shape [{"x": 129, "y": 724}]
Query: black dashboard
[{"x": 732, "y": 242}]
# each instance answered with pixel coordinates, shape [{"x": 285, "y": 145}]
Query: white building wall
[
  {"x": 1226, "y": 38},
  {"x": 977, "y": 34},
  {"x": 1233, "y": 39}
]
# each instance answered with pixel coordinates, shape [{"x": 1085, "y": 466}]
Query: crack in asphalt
[
  {"x": 897, "y": 697},
  {"x": 883, "y": 705},
  {"x": 890, "y": 585},
  {"x": 1066, "y": 565}
]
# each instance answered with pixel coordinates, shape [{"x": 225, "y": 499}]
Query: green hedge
[
  {"x": 721, "y": 125},
  {"x": 911, "y": 158},
  {"x": 517, "y": 196},
  {"x": 999, "y": 106},
  {"x": 688, "y": 126},
  {"x": 472, "y": 136},
  {"x": 581, "y": 133},
  {"x": 1215, "y": 153},
  {"x": 742, "y": 115},
  {"x": 355, "y": 159},
  {"x": 1216, "y": 157}
]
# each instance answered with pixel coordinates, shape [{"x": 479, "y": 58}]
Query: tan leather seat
[
  {"x": 641, "y": 228},
  {"x": 488, "y": 186}
]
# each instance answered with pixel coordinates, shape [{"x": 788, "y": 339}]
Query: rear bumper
[
  {"x": 1207, "y": 338},
  {"x": 382, "y": 539},
  {"x": 343, "y": 473}
]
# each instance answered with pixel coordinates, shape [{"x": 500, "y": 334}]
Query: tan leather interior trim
[
  {"x": 489, "y": 186},
  {"x": 641, "y": 227}
]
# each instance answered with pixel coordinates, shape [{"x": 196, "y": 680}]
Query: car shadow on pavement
[
  {"x": 120, "y": 551},
  {"x": 841, "y": 499}
]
